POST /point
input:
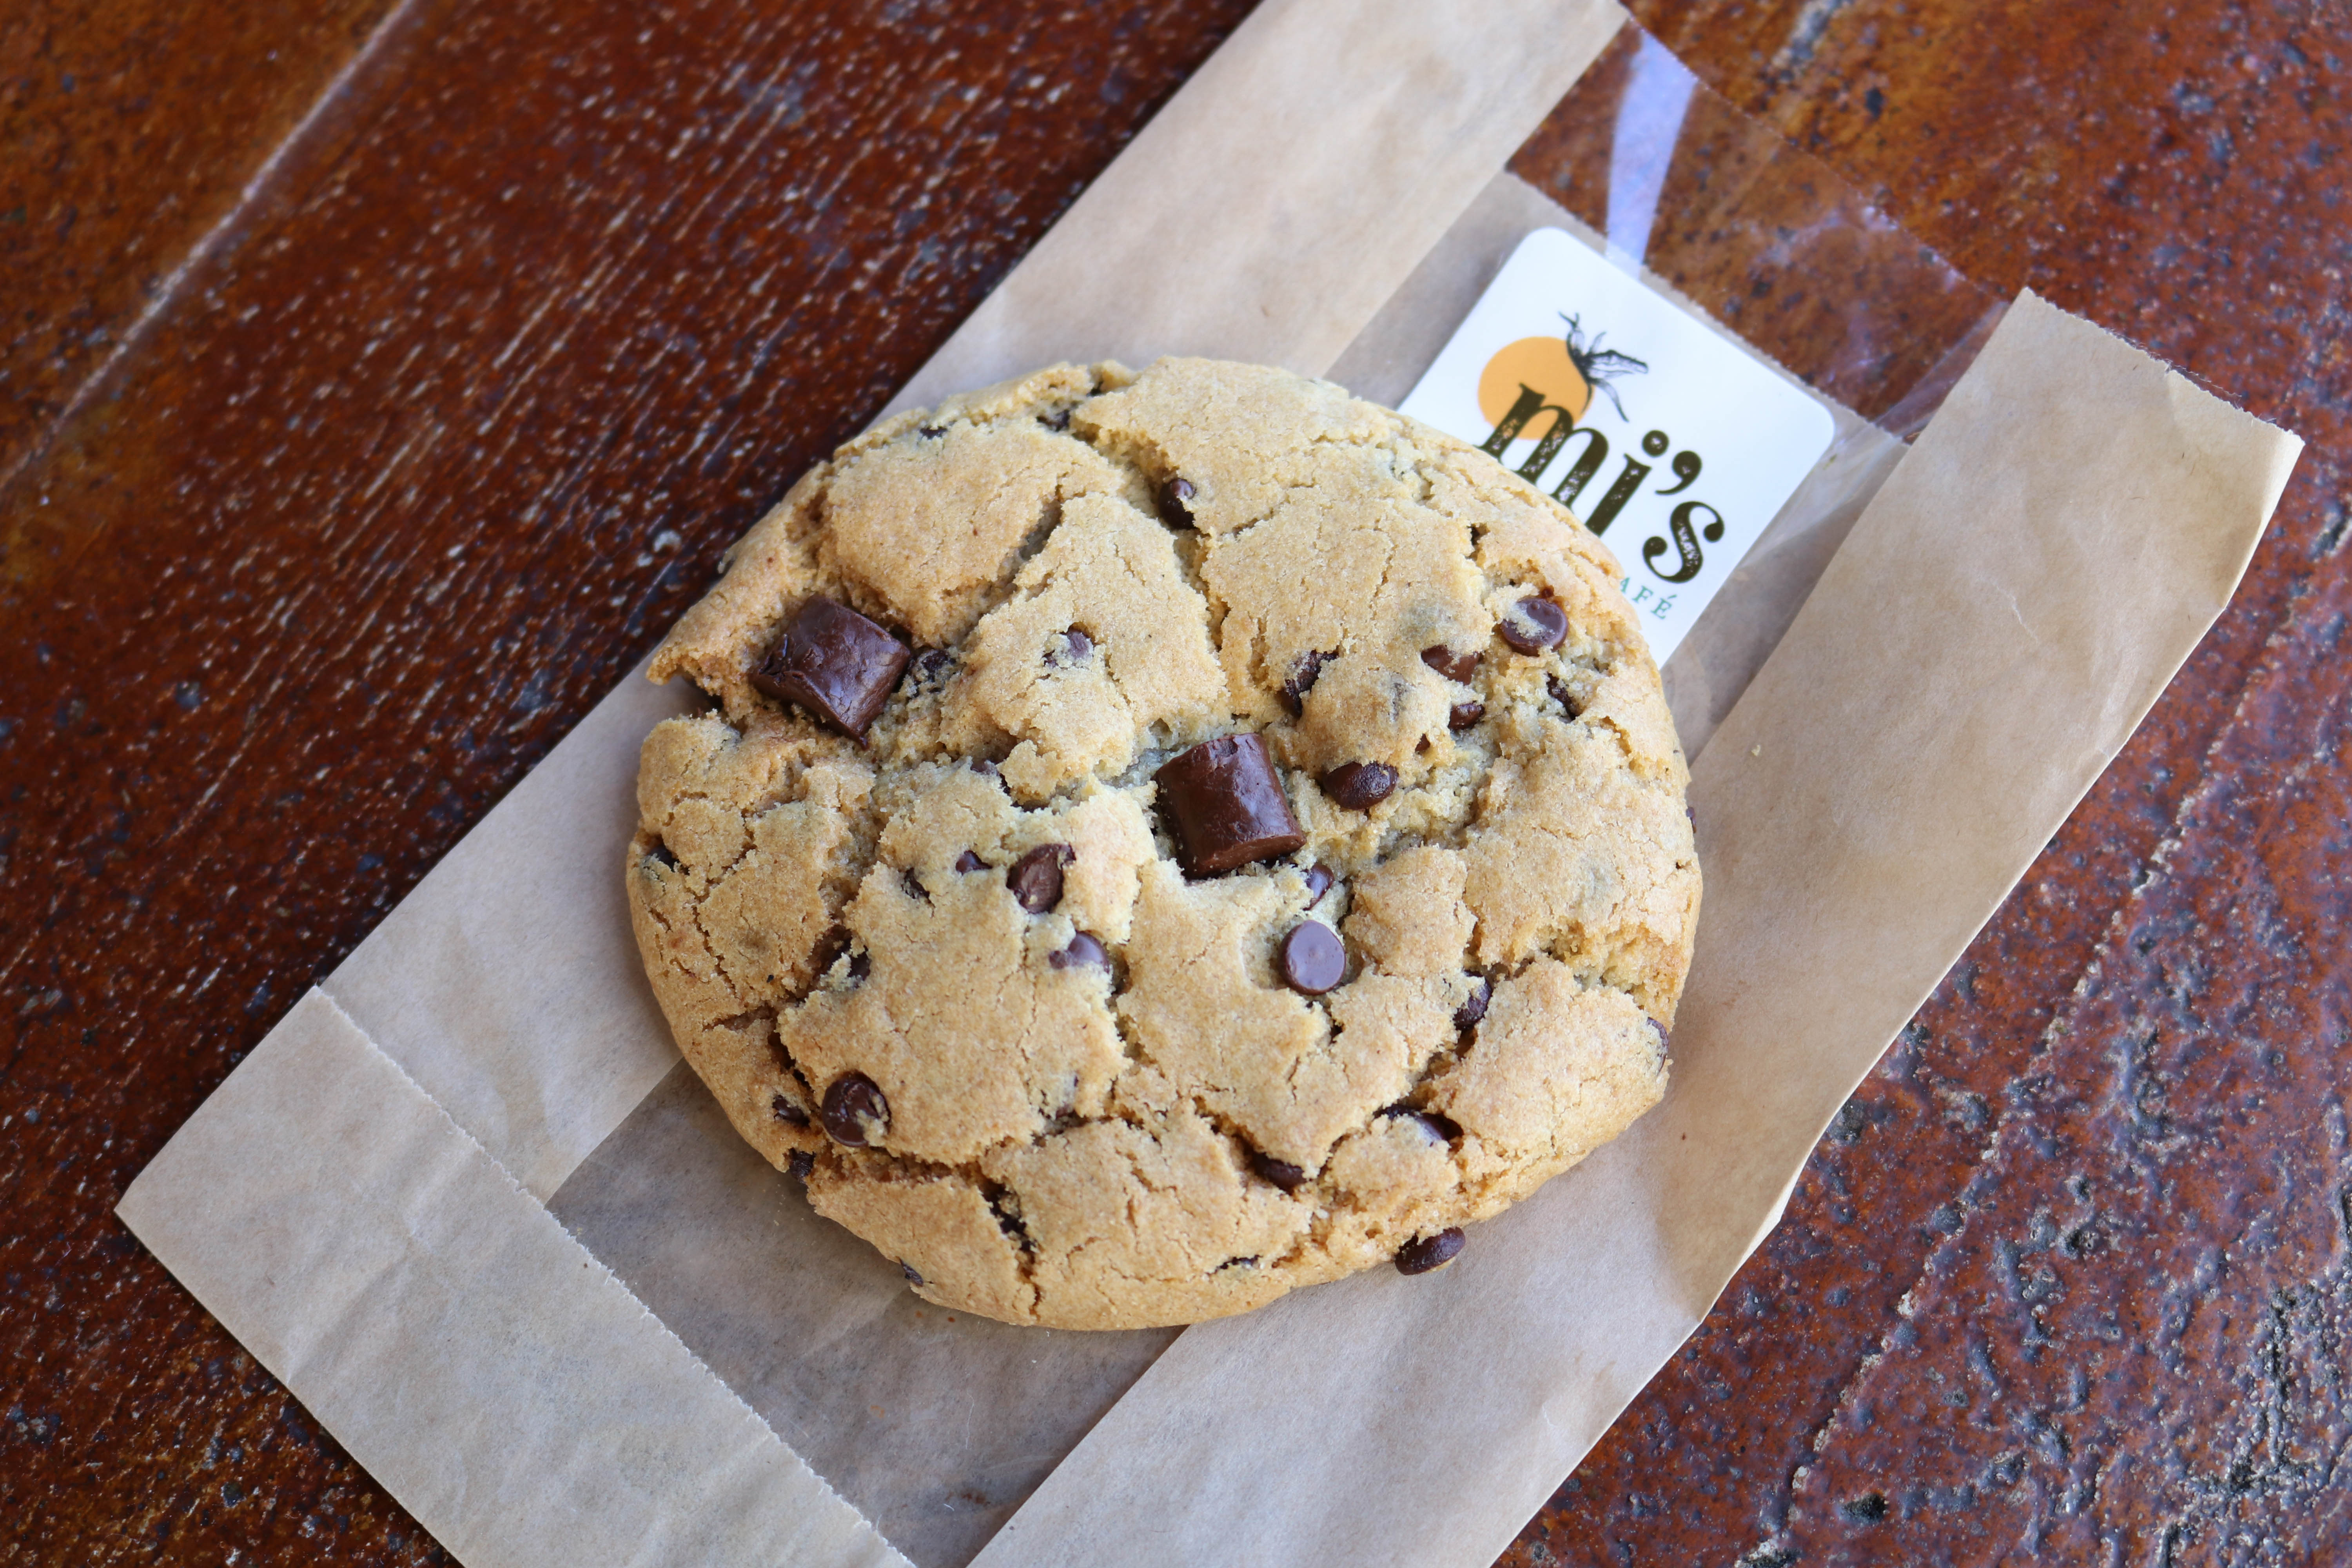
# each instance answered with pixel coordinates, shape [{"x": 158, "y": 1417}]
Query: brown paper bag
[{"x": 468, "y": 1204}]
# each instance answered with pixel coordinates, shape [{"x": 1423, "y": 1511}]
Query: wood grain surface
[{"x": 381, "y": 376}]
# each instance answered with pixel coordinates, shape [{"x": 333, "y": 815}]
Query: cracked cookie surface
[{"x": 954, "y": 972}]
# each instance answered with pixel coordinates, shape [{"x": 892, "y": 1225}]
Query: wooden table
[{"x": 380, "y": 379}]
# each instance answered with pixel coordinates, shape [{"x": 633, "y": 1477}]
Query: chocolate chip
[
  {"x": 1076, "y": 646},
  {"x": 1318, "y": 883},
  {"x": 1036, "y": 878},
  {"x": 933, "y": 432},
  {"x": 1303, "y": 676},
  {"x": 801, "y": 1163},
  {"x": 786, "y": 1111},
  {"x": 853, "y": 1101},
  {"x": 912, "y": 1278},
  {"x": 1312, "y": 958},
  {"x": 1058, "y": 419},
  {"x": 1360, "y": 786},
  {"x": 1534, "y": 625},
  {"x": 1005, "y": 1205},
  {"x": 1226, "y": 805},
  {"x": 1083, "y": 950},
  {"x": 1453, "y": 666},
  {"x": 860, "y": 966},
  {"x": 969, "y": 862},
  {"x": 835, "y": 663},
  {"x": 1439, "y": 1129},
  {"x": 1281, "y": 1173},
  {"x": 1176, "y": 503},
  {"x": 1467, "y": 1015},
  {"x": 1665, "y": 1038},
  {"x": 1464, "y": 714},
  {"x": 1428, "y": 1254},
  {"x": 930, "y": 664},
  {"x": 1561, "y": 695},
  {"x": 660, "y": 856}
]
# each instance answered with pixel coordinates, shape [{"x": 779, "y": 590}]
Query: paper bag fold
[{"x": 435, "y": 1318}]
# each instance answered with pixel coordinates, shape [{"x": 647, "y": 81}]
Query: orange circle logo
[{"x": 1542, "y": 364}]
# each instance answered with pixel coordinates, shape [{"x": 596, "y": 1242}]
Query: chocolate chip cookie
[{"x": 1162, "y": 839}]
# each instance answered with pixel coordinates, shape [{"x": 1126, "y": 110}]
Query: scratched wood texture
[{"x": 352, "y": 442}]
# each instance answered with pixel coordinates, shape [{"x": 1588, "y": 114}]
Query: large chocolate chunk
[
  {"x": 835, "y": 663},
  {"x": 1226, "y": 805}
]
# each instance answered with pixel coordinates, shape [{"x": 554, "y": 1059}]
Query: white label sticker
[{"x": 1663, "y": 436}]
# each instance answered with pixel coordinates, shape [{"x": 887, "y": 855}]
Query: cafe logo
[
  {"x": 1604, "y": 392},
  {"x": 1541, "y": 389},
  {"x": 1564, "y": 371}
]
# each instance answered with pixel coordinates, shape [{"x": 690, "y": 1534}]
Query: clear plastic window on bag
[{"x": 1671, "y": 215}]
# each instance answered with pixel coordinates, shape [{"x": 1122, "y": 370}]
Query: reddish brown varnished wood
[
  {"x": 544, "y": 305},
  {"x": 127, "y": 132}
]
